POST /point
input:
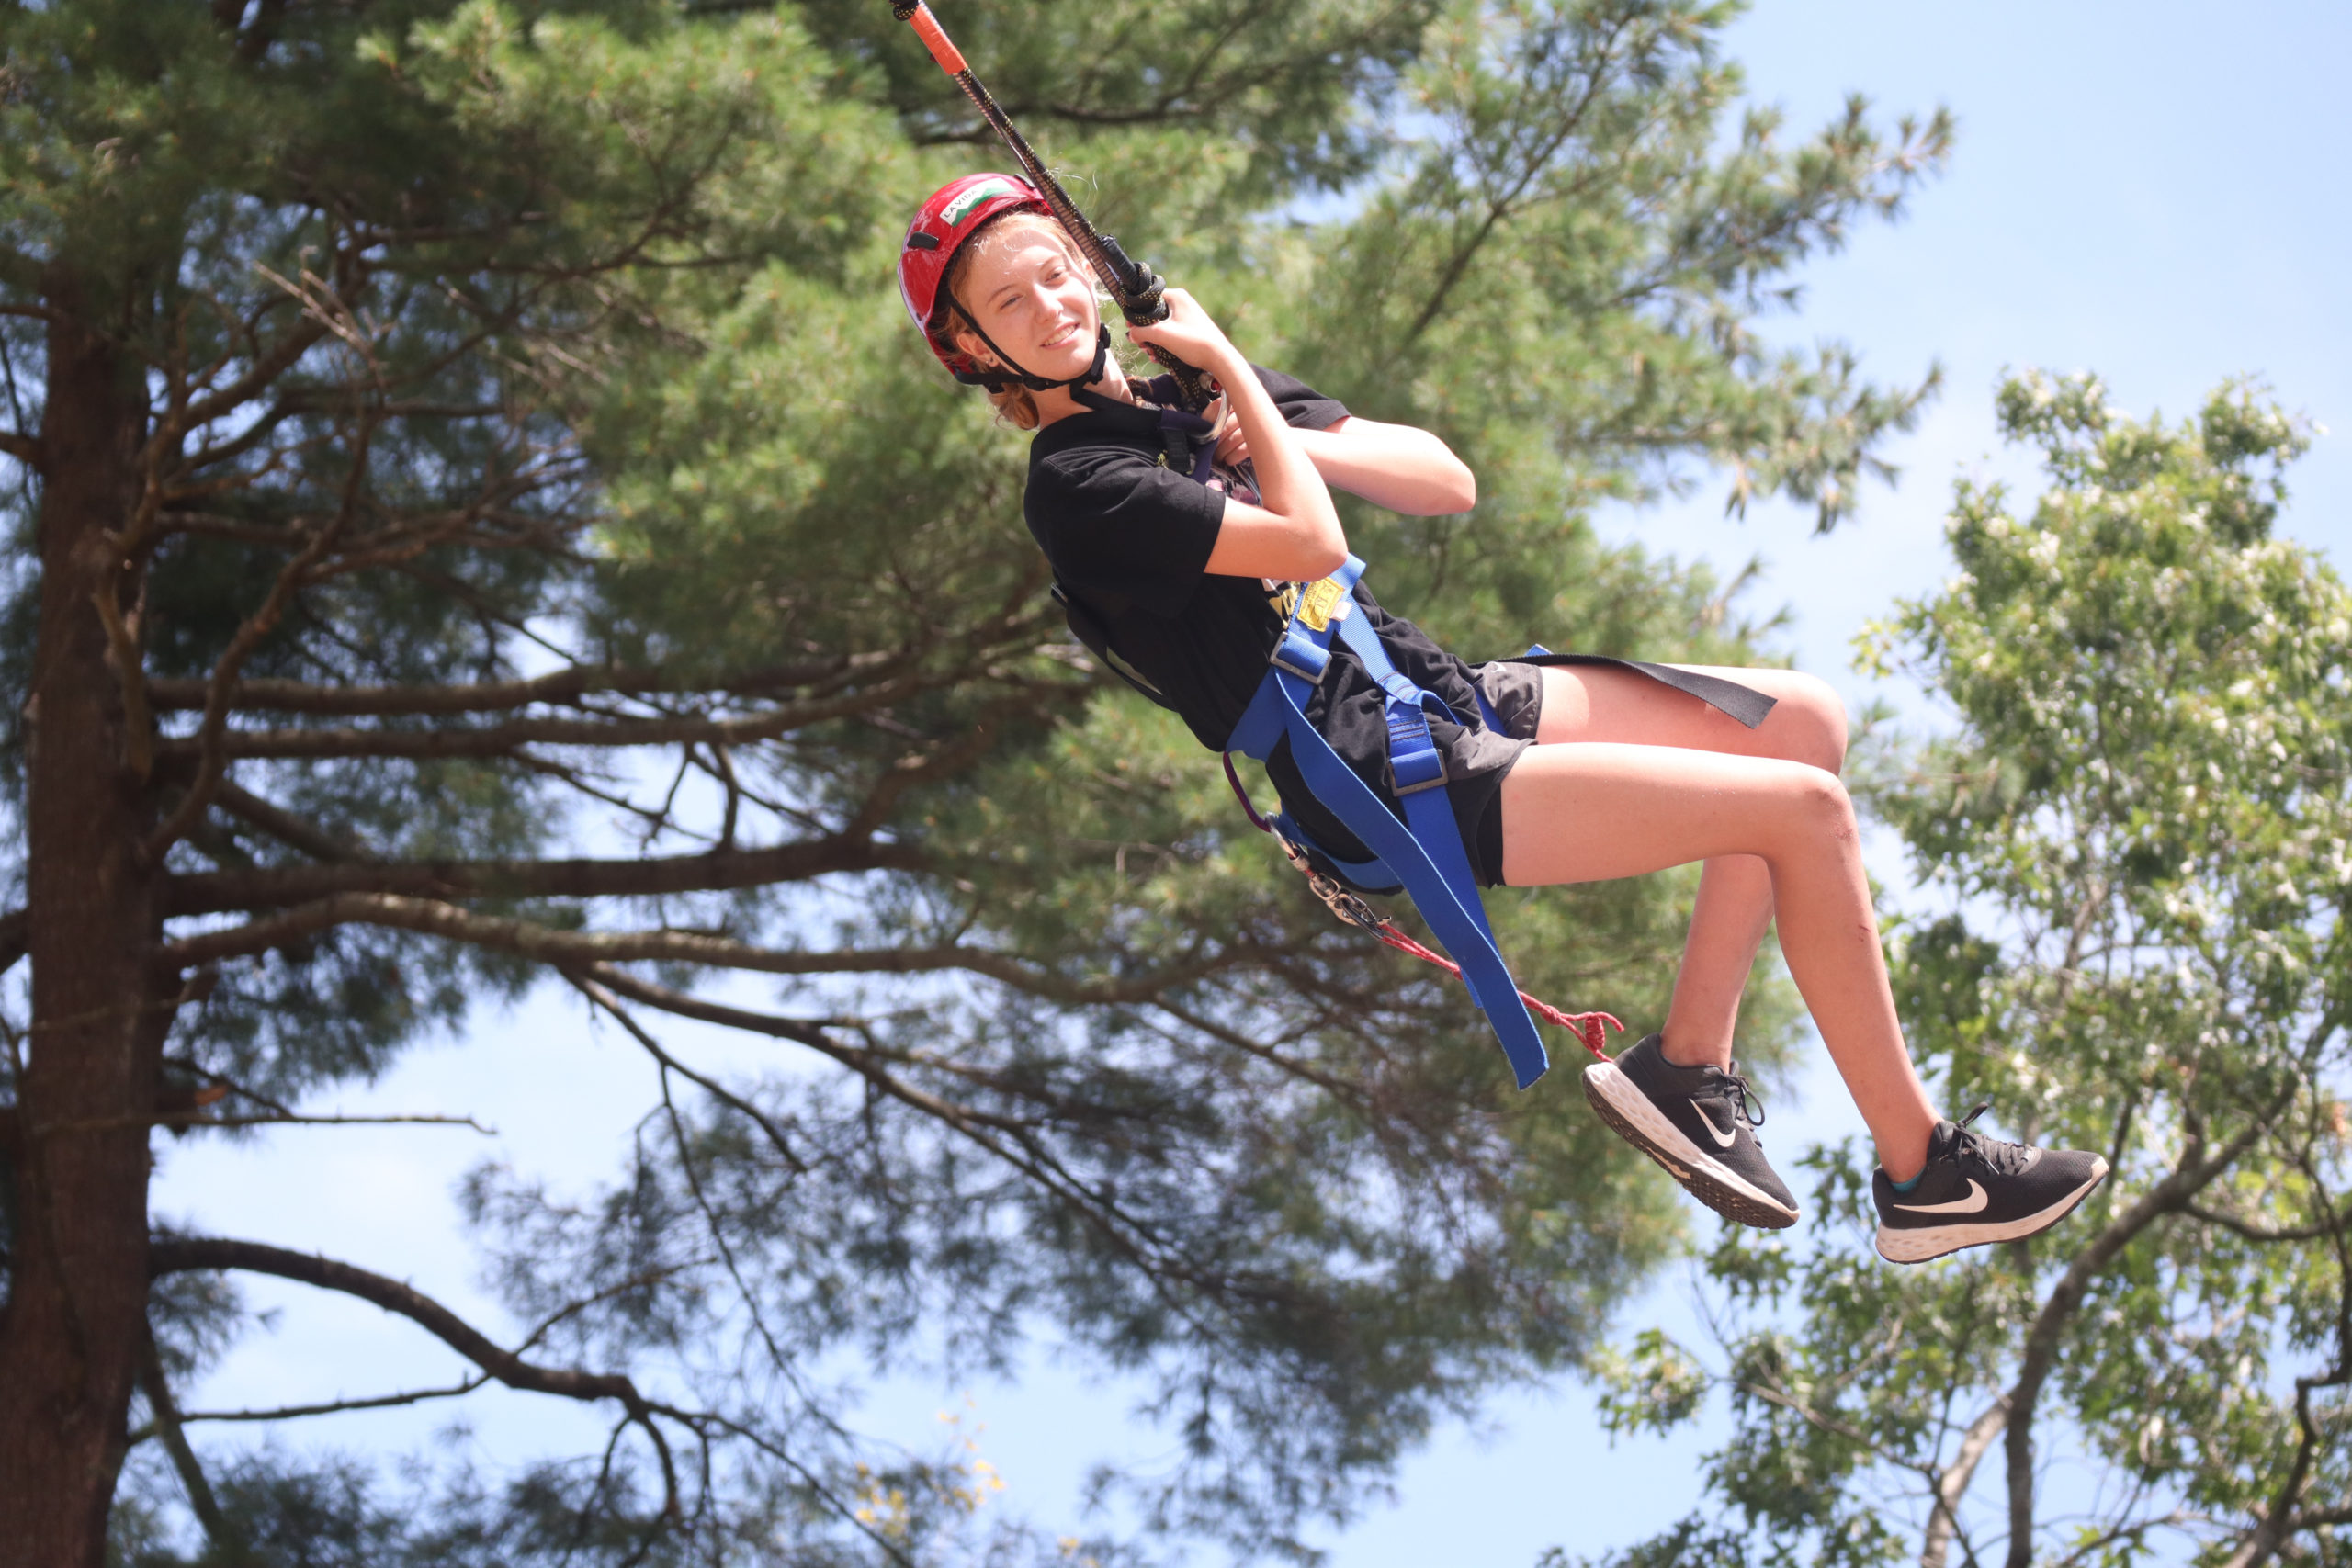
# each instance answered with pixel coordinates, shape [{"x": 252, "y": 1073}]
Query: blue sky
[{"x": 2150, "y": 191}]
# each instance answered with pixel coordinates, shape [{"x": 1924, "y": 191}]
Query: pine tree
[{"x": 481, "y": 520}]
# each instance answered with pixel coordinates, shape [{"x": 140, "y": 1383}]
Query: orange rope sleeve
[{"x": 934, "y": 39}]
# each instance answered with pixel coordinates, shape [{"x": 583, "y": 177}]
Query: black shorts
[{"x": 1478, "y": 759}]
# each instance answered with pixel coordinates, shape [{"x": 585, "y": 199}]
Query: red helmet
[{"x": 953, "y": 215}]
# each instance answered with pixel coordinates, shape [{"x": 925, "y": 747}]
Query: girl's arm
[
  {"x": 1294, "y": 535},
  {"x": 1394, "y": 466},
  {"x": 1398, "y": 466}
]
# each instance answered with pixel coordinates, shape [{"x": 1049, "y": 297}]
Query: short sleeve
[
  {"x": 1303, "y": 408},
  {"x": 1114, "y": 521}
]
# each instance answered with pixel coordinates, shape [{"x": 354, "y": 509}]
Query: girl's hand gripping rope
[
  {"x": 1137, "y": 288},
  {"x": 1189, "y": 332}
]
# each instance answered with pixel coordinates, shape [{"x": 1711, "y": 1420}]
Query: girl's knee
[
  {"x": 1812, "y": 719},
  {"x": 1818, "y": 806}
]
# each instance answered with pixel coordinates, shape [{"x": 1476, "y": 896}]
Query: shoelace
[
  {"x": 1742, "y": 1094},
  {"x": 1995, "y": 1153}
]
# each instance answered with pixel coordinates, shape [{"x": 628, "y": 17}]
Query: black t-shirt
[{"x": 1129, "y": 537}]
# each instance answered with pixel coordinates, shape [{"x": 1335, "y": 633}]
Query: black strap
[
  {"x": 997, "y": 381},
  {"x": 1742, "y": 703},
  {"x": 1088, "y": 627}
]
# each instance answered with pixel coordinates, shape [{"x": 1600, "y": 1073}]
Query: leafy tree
[
  {"x": 479, "y": 519},
  {"x": 2142, "y": 820}
]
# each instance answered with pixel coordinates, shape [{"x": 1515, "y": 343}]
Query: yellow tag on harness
[{"x": 1324, "y": 603}]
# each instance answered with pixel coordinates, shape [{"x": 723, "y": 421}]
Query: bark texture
[{"x": 75, "y": 1320}]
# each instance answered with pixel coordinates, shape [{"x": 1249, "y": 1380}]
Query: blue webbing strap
[{"x": 1424, "y": 851}]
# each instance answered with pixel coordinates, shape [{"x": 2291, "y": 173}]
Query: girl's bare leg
[
  {"x": 1630, "y": 777},
  {"x": 1734, "y": 903},
  {"x": 1727, "y": 925}
]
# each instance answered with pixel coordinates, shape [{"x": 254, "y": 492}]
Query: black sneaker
[
  {"x": 1693, "y": 1121},
  {"x": 1977, "y": 1188}
]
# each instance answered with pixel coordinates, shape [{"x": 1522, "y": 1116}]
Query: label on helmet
[{"x": 953, "y": 215}]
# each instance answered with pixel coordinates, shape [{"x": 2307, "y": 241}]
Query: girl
[{"x": 1597, "y": 768}]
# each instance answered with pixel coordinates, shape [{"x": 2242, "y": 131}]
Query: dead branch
[
  {"x": 299, "y": 340},
  {"x": 335, "y": 1406},
  {"x": 138, "y": 723}
]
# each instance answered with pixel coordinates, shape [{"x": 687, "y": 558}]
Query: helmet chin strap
[{"x": 1080, "y": 385}]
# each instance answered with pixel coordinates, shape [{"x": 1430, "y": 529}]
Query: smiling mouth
[{"x": 1060, "y": 338}]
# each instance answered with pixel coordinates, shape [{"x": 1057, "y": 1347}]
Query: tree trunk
[{"x": 76, "y": 1318}]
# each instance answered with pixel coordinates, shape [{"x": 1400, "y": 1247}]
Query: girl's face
[{"x": 1029, "y": 295}]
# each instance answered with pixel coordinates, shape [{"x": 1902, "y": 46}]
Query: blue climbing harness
[{"x": 1424, "y": 853}]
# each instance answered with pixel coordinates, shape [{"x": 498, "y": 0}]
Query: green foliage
[
  {"x": 2142, "y": 816},
  {"x": 561, "y": 339}
]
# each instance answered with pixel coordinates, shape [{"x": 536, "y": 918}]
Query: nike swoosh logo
[
  {"x": 1968, "y": 1206},
  {"x": 1722, "y": 1140}
]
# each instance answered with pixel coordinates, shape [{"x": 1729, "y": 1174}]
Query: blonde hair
[{"x": 1016, "y": 405}]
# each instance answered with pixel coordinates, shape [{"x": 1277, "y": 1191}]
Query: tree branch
[
  {"x": 1828, "y": 1424},
  {"x": 596, "y": 992},
  {"x": 174, "y": 1255},
  {"x": 528, "y": 938},
  {"x": 2040, "y": 1352},
  {"x": 1003, "y": 1138},
  {"x": 295, "y": 832},
  {"x": 166, "y": 1419},
  {"x": 265, "y": 888},
  {"x": 499, "y": 739},
  {"x": 557, "y": 686},
  {"x": 193, "y": 1118},
  {"x": 2253, "y": 1232},
  {"x": 336, "y": 1406},
  {"x": 1943, "y": 1517},
  {"x": 209, "y": 744},
  {"x": 299, "y": 340}
]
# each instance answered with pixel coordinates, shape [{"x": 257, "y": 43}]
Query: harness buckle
[
  {"x": 1301, "y": 655},
  {"x": 1414, "y": 762}
]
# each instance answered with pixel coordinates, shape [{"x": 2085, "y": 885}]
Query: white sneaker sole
[
  {"x": 1933, "y": 1241},
  {"x": 1629, "y": 1113}
]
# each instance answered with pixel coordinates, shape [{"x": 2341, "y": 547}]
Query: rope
[
  {"x": 1589, "y": 1028},
  {"x": 1592, "y": 1028}
]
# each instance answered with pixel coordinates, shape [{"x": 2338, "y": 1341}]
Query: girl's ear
[{"x": 972, "y": 344}]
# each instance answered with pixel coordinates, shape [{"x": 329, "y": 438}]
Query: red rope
[{"x": 1592, "y": 1028}]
